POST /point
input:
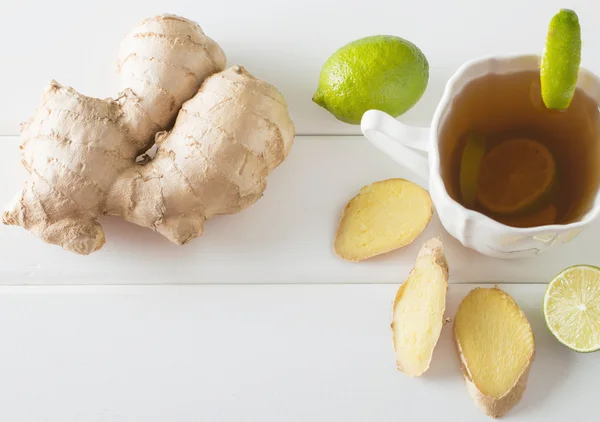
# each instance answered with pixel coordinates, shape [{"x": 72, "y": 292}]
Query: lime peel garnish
[
  {"x": 572, "y": 308},
  {"x": 469, "y": 167},
  {"x": 559, "y": 68}
]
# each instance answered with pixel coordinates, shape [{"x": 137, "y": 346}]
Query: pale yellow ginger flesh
[
  {"x": 230, "y": 131},
  {"x": 384, "y": 216},
  {"x": 419, "y": 310},
  {"x": 496, "y": 348}
]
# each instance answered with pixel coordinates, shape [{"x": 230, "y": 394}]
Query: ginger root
[
  {"x": 384, "y": 216},
  {"x": 419, "y": 310},
  {"x": 496, "y": 348},
  {"x": 230, "y": 131}
]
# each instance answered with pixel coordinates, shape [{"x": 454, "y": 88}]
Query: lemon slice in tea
[
  {"x": 515, "y": 176},
  {"x": 542, "y": 217},
  {"x": 572, "y": 308}
]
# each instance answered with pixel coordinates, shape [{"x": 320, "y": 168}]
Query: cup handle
[{"x": 398, "y": 140}]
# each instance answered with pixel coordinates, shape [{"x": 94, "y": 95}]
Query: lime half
[
  {"x": 572, "y": 308},
  {"x": 560, "y": 63}
]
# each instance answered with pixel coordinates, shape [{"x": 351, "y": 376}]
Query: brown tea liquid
[{"x": 504, "y": 107}]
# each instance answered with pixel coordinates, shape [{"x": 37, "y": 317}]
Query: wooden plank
[
  {"x": 286, "y": 237},
  {"x": 250, "y": 353},
  {"x": 284, "y": 43}
]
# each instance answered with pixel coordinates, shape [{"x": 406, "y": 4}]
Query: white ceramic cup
[{"x": 473, "y": 229}]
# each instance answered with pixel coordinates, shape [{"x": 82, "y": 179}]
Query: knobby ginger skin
[
  {"x": 81, "y": 152},
  {"x": 214, "y": 161}
]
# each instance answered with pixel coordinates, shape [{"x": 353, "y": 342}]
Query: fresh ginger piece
[
  {"x": 228, "y": 131},
  {"x": 384, "y": 216},
  {"x": 496, "y": 348},
  {"x": 419, "y": 310}
]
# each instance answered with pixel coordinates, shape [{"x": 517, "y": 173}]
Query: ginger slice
[
  {"x": 496, "y": 348},
  {"x": 384, "y": 216},
  {"x": 419, "y": 310}
]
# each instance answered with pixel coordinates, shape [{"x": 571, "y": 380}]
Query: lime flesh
[
  {"x": 572, "y": 308},
  {"x": 561, "y": 59}
]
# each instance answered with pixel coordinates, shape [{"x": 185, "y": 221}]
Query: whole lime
[{"x": 380, "y": 72}]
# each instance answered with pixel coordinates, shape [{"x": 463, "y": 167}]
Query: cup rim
[{"x": 435, "y": 177}]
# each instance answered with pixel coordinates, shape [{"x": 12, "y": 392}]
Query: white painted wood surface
[
  {"x": 286, "y": 237},
  {"x": 251, "y": 353},
  {"x": 314, "y": 347},
  {"x": 284, "y": 42}
]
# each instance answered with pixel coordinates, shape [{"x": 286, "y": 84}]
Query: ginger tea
[{"x": 557, "y": 152}]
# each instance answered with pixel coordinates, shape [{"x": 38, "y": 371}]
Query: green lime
[
  {"x": 381, "y": 72},
  {"x": 560, "y": 63},
  {"x": 572, "y": 308},
  {"x": 469, "y": 168}
]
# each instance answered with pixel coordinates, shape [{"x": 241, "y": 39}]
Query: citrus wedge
[
  {"x": 514, "y": 176},
  {"x": 561, "y": 59},
  {"x": 469, "y": 168},
  {"x": 572, "y": 308}
]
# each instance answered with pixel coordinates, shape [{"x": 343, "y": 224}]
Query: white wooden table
[
  {"x": 251, "y": 353},
  {"x": 258, "y": 320}
]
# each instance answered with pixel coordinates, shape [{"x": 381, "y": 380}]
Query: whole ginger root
[{"x": 219, "y": 132}]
